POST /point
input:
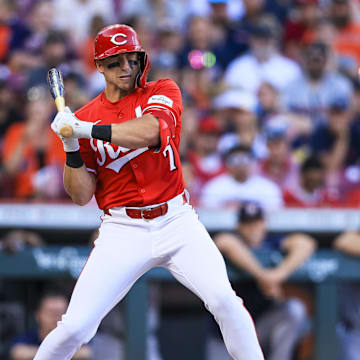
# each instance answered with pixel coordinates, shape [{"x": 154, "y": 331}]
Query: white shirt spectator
[
  {"x": 248, "y": 73},
  {"x": 75, "y": 16},
  {"x": 224, "y": 191}
]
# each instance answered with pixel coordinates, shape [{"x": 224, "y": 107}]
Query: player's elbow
[
  {"x": 81, "y": 199},
  {"x": 299, "y": 242},
  {"x": 80, "y": 196}
]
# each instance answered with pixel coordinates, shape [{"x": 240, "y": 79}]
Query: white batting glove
[
  {"x": 70, "y": 144},
  {"x": 81, "y": 129}
]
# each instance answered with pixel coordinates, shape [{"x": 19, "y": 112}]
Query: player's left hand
[{"x": 81, "y": 129}]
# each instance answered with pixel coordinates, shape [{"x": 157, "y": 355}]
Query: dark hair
[
  {"x": 312, "y": 163},
  {"x": 54, "y": 37},
  {"x": 49, "y": 294},
  {"x": 238, "y": 148}
]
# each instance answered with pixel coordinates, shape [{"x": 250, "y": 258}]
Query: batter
[{"x": 127, "y": 156}]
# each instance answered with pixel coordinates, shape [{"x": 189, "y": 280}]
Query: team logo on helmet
[{"x": 116, "y": 42}]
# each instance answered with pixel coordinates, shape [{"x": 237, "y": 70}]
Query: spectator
[
  {"x": 164, "y": 61},
  {"x": 349, "y": 326},
  {"x": 348, "y": 30},
  {"x": 310, "y": 189},
  {"x": 54, "y": 54},
  {"x": 205, "y": 162},
  {"x": 156, "y": 12},
  {"x": 279, "y": 321},
  {"x": 263, "y": 62},
  {"x": 76, "y": 27},
  {"x": 32, "y": 154},
  {"x": 312, "y": 91},
  {"x": 236, "y": 110},
  {"x": 51, "y": 307},
  {"x": 199, "y": 39},
  {"x": 12, "y": 30},
  {"x": 39, "y": 24},
  {"x": 269, "y": 102},
  {"x": 12, "y": 311},
  {"x": 86, "y": 49},
  {"x": 9, "y": 112},
  {"x": 240, "y": 184},
  {"x": 17, "y": 240},
  {"x": 279, "y": 166},
  {"x": 306, "y": 15},
  {"x": 75, "y": 96},
  {"x": 337, "y": 140}
]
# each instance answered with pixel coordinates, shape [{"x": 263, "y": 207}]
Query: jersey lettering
[
  {"x": 116, "y": 165},
  {"x": 106, "y": 148},
  {"x": 170, "y": 151}
]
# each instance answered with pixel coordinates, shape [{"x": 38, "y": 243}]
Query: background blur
[{"x": 278, "y": 80}]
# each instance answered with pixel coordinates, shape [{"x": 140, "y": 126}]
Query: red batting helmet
[{"x": 118, "y": 39}]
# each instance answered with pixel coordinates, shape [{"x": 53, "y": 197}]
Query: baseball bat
[{"x": 57, "y": 90}]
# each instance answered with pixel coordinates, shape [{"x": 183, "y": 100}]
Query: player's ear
[{"x": 99, "y": 66}]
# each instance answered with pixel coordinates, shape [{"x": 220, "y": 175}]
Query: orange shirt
[
  {"x": 348, "y": 42},
  {"x": 54, "y": 155},
  {"x": 136, "y": 177}
]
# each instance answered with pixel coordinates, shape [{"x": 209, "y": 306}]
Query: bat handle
[
  {"x": 66, "y": 131},
  {"x": 60, "y": 103}
]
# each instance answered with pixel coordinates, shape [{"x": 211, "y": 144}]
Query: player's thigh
[
  {"x": 198, "y": 264},
  {"x": 117, "y": 260}
]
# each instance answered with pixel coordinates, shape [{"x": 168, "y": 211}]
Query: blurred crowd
[{"x": 271, "y": 93}]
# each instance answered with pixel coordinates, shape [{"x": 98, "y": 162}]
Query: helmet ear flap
[{"x": 144, "y": 69}]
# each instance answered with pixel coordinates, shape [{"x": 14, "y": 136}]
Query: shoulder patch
[{"x": 160, "y": 99}]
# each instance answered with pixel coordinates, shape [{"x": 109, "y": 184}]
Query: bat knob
[{"x": 66, "y": 131}]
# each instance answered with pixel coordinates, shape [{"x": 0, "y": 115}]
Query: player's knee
[
  {"x": 223, "y": 303},
  {"x": 77, "y": 332}
]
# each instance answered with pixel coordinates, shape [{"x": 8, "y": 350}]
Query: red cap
[
  {"x": 209, "y": 125},
  {"x": 118, "y": 39}
]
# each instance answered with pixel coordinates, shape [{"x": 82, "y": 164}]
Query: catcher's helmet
[{"x": 118, "y": 39}]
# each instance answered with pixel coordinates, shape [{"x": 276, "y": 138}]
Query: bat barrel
[{"x": 56, "y": 84}]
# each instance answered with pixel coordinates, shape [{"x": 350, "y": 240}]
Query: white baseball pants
[{"x": 127, "y": 248}]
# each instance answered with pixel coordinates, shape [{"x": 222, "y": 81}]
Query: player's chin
[{"x": 126, "y": 84}]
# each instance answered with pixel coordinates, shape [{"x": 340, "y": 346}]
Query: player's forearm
[
  {"x": 337, "y": 155},
  {"x": 244, "y": 259},
  {"x": 13, "y": 163},
  {"x": 136, "y": 133},
  {"x": 349, "y": 243},
  {"x": 299, "y": 248},
  {"x": 239, "y": 254},
  {"x": 84, "y": 353},
  {"x": 79, "y": 184},
  {"x": 23, "y": 352}
]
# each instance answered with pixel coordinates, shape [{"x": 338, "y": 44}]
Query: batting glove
[
  {"x": 81, "y": 129},
  {"x": 70, "y": 144}
]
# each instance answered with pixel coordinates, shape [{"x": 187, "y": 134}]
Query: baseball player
[{"x": 127, "y": 156}]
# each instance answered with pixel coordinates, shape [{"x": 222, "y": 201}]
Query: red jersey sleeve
[{"x": 165, "y": 104}]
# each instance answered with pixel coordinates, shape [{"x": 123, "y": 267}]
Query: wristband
[
  {"x": 101, "y": 132},
  {"x": 74, "y": 159}
]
